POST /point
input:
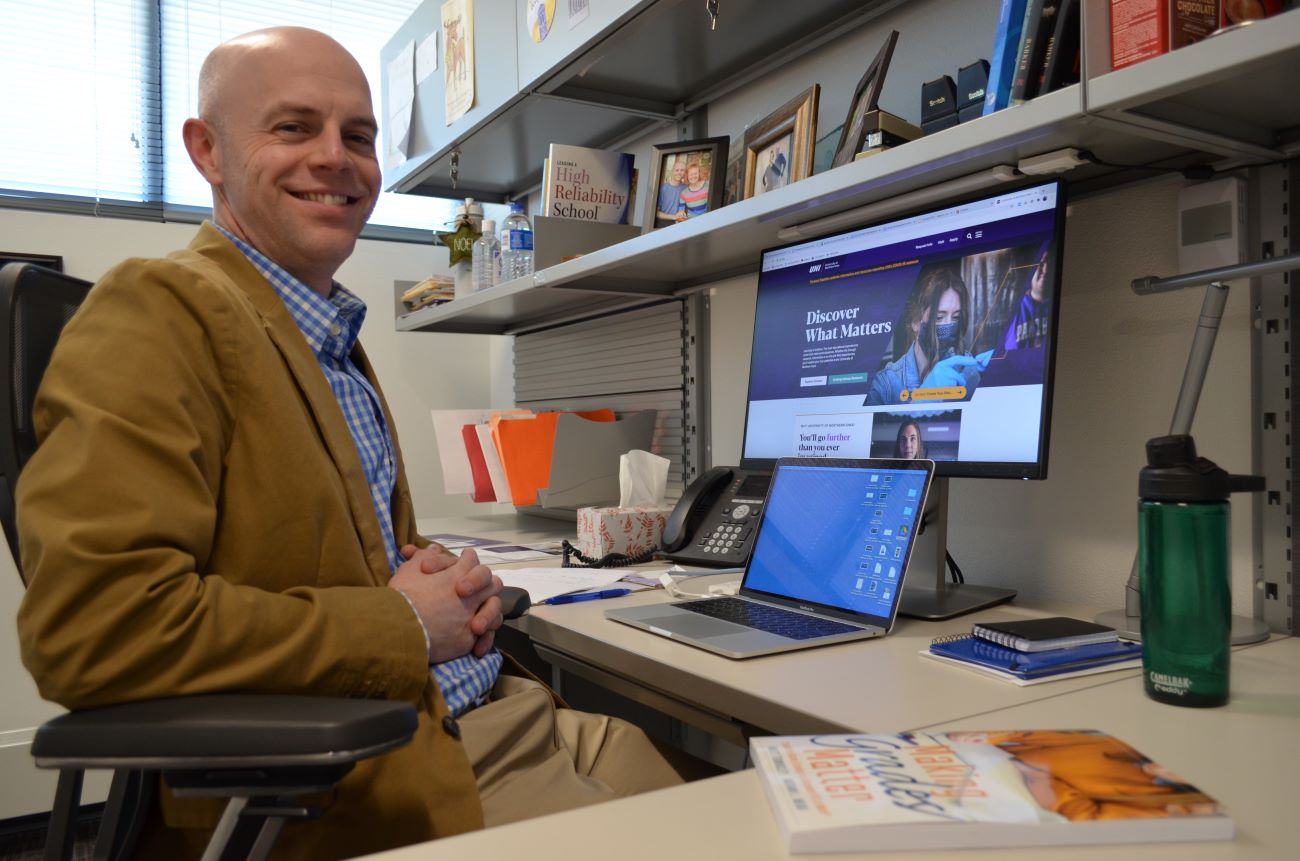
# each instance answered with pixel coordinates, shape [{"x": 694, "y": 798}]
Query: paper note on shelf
[{"x": 544, "y": 583}]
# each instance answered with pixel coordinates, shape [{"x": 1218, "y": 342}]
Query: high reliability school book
[
  {"x": 588, "y": 184},
  {"x": 877, "y": 792}
]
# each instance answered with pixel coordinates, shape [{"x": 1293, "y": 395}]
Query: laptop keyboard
[{"x": 773, "y": 620}]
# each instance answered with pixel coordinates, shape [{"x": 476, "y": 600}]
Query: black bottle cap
[{"x": 1175, "y": 474}]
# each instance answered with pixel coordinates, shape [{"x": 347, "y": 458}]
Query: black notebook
[{"x": 1041, "y": 635}]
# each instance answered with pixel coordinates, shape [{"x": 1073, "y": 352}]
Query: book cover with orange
[
  {"x": 832, "y": 793},
  {"x": 525, "y": 447}
]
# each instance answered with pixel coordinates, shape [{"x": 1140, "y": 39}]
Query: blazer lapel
[{"x": 317, "y": 396}]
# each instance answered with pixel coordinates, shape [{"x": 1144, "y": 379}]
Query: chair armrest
[{"x": 215, "y": 730}]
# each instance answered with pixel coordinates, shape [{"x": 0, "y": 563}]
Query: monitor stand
[{"x": 927, "y": 593}]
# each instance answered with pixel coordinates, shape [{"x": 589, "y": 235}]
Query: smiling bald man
[{"x": 218, "y": 502}]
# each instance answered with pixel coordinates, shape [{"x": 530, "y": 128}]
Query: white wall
[{"x": 419, "y": 372}]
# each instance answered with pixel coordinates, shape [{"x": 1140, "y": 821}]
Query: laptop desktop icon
[{"x": 828, "y": 564}]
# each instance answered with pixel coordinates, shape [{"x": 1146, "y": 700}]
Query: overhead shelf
[
  {"x": 1233, "y": 94},
  {"x": 1227, "y": 97},
  {"x": 618, "y": 85}
]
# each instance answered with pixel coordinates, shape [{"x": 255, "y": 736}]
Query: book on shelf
[
  {"x": 1040, "y": 23},
  {"x": 884, "y": 792},
  {"x": 1029, "y": 666},
  {"x": 1041, "y": 635},
  {"x": 588, "y": 184},
  {"x": 1002, "y": 66},
  {"x": 1061, "y": 59}
]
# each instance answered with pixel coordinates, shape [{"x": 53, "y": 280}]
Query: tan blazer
[{"x": 196, "y": 520}]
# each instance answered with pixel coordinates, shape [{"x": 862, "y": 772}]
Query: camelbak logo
[{"x": 1167, "y": 684}]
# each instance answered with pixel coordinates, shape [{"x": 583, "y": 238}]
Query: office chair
[{"x": 260, "y": 751}]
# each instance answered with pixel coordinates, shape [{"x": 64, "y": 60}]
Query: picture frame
[
  {"x": 779, "y": 148},
  {"x": 866, "y": 98},
  {"x": 49, "y": 261},
  {"x": 672, "y": 195}
]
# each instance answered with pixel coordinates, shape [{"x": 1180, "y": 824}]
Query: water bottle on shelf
[
  {"x": 516, "y": 244},
  {"x": 487, "y": 257}
]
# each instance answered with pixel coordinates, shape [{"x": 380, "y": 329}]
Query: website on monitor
[{"x": 923, "y": 337}]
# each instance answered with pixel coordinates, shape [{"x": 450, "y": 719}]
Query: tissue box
[{"x": 621, "y": 530}]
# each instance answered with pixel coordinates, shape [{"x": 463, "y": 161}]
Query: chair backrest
[{"x": 35, "y": 304}]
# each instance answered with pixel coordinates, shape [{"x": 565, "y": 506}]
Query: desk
[
  {"x": 881, "y": 685},
  {"x": 1243, "y": 754}
]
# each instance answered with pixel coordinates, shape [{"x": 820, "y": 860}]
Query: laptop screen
[{"x": 839, "y": 536}]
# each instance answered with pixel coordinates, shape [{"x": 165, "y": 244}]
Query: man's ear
[{"x": 201, "y": 143}]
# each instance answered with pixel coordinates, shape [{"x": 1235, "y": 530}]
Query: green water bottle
[{"x": 1183, "y": 565}]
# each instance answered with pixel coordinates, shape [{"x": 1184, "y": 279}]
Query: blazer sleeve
[{"x": 118, "y": 510}]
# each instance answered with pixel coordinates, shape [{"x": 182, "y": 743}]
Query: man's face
[
  {"x": 678, "y": 172},
  {"x": 295, "y": 144}
]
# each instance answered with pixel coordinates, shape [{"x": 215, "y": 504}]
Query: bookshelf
[{"x": 1207, "y": 102}]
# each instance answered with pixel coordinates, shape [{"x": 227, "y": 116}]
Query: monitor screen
[{"x": 926, "y": 336}]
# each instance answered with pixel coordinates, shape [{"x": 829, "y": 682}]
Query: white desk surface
[
  {"x": 880, "y": 685},
  {"x": 1244, "y": 754}
]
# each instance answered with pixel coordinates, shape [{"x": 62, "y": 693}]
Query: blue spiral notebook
[{"x": 1030, "y": 665}]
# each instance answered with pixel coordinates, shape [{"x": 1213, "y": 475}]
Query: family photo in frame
[
  {"x": 689, "y": 179},
  {"x": 779, "y": 148}
]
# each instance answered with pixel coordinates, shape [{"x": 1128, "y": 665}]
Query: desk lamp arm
[{"x": 1198, "y": 363}]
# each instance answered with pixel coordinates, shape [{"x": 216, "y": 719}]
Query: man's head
[{"x": 286, "y": 138}]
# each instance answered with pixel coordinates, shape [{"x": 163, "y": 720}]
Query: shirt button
[
  {"x": 450, "y": 727},
  {"x": 335, "y": 328}
]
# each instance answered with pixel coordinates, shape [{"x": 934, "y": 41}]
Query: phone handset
[{"x": 694, "y": 504}]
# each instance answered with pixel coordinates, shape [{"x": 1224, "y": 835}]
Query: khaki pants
[{"x": 531, "y": 758}]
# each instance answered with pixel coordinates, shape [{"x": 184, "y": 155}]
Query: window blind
[{"x": 79, "y": 107}]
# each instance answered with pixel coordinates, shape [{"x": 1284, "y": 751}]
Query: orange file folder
[{"x": 525, "y": 447}]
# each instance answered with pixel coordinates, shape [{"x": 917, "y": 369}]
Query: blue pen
[{"x": 587, "y": 596}]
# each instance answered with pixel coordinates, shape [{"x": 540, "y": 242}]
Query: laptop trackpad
[{"x": 690, "y": 624}]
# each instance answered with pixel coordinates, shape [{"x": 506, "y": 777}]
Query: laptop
[{"x": 828, "y": 564}]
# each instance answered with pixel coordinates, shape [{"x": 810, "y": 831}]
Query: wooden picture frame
[
  {"x": 779, "y": 149},
  {"x": 49, "y": 261},
  {"x": 866, "y": 98},
  {"x": 671, "y": 174}
]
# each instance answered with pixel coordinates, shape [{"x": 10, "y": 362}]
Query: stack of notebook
[{"x": 1036, "y": 650}]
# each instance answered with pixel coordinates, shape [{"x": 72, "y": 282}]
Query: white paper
[
  {"x": 504, "y": 553},
  {"x": 458, "y": 58},
  {"x": 426, "y": 58},
  {"x": 496, "y": 472},
  {"x": 447, "y": 424},
  {"x": 544, "y": 583},
  {"x": 401, "y": 102},
  {"x": 456, "y": 475}
]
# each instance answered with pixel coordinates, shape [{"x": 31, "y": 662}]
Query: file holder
[
  {"x": 557, "y": 239},
  {"x": 585, "y": 459}
]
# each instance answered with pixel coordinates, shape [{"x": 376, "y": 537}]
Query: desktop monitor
[
  {"x": 927, "y": 336},
  {"x": 932, "y": 335}
]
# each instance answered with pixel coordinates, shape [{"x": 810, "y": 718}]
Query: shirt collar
[{"x": 314, "y": 315}]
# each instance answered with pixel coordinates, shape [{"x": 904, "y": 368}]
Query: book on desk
[{"x": 878, "y": 792}]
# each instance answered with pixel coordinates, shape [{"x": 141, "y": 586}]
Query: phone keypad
[{"x": 726, "y": 538}]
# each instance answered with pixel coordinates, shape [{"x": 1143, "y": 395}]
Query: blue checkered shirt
[{"x": 331, "y": 327}]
